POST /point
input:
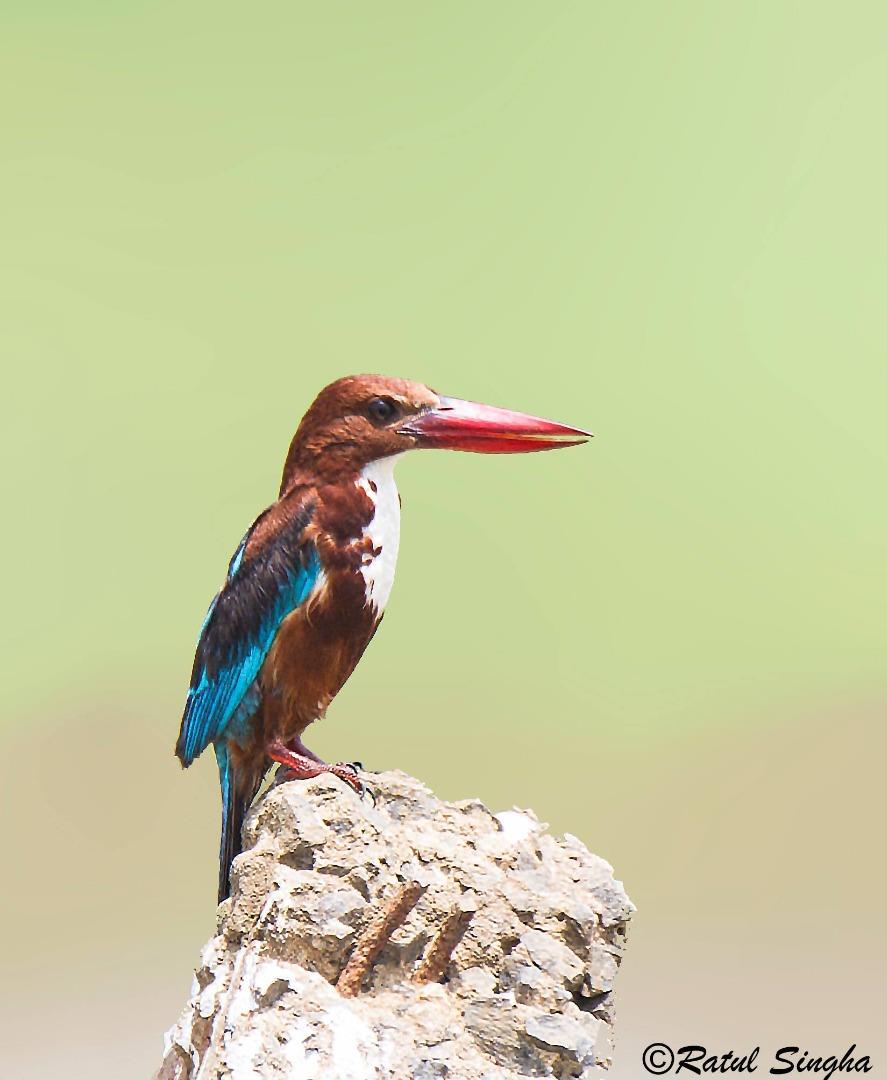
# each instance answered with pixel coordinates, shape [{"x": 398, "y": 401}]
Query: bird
[{"x": 307, "y": 586}]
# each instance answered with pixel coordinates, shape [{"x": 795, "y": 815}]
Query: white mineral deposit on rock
[{"x": 521, "y": 934}]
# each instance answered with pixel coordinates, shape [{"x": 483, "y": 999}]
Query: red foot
[{"x": 301, "y": 766}]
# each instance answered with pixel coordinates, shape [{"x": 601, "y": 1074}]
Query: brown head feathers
[{"x": 351, "y": 422}]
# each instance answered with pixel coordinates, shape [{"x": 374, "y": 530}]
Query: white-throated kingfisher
[{"x": 308, "y": 584}]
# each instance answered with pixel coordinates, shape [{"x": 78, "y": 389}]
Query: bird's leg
[
  {"x": 301, "y": 766},
  {"x": 298, "y": 747}
]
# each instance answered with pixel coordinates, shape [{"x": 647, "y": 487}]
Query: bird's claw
[{"x": 348, "y": 771}]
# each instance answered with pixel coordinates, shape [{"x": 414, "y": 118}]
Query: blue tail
[{"x": 235, "y": 803}]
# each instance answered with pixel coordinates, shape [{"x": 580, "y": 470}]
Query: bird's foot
[
  {"x": 356, "y": 767},
  {"x": 344, "y": 770},
  {"x": 298, "y": 766}
]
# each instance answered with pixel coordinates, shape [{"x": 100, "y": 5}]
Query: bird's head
[{"x": 362, "y": 418}]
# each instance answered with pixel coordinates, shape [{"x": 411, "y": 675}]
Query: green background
[{"x": 662, "y": 221}]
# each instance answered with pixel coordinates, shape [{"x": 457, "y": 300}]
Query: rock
[
  {"x": 524, "y": 932},
  {"x": 573, "y": 1036}
]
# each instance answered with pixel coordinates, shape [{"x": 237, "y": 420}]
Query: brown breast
[{"x": 320, "y": 643}]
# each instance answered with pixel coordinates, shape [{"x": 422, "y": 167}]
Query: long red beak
[{"x": 467, "y": 425}]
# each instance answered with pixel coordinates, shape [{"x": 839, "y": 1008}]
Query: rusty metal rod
[
  {"x": 440, "y": 951},
  {"x": 375, "y": 936}
]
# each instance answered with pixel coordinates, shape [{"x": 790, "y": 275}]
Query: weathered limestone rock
[{"x": 526, "y": 930}]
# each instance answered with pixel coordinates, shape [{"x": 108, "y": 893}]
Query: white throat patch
[{"x": 383, "y": 532}]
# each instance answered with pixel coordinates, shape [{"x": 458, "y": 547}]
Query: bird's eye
[{"x": 382, "y": 410}]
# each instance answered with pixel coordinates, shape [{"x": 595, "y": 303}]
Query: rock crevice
[{"x": 477, "y": 945}]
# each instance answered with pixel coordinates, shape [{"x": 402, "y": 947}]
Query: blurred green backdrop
[{"x": 662, "y": 221}]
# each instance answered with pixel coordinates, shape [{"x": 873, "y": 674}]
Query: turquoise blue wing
[{"x": 263, "y": 587}]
